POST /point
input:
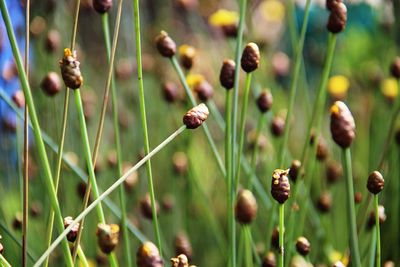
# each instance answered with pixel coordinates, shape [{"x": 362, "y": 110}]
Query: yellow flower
[
  {"x": 194, "y": 79},
  {"x": 224, "y": 17},
  {"x": 390, "y": 88},
  {"x": 187, "y": 50},
  {"x": 272, "y": 10},
  {"x": 338, "y": 86}
]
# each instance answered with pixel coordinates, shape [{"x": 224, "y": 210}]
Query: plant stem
[
  {"x": 248, "y": 246},
  {"x": 82, "y": 257},
  {"x": 98, "y": 200},
  {"x": 281, "y": 234},
  {"x": 4, "y": 262},
  {"x": 378, "y": 234},
  {"x": 355, "y": 256},
  {"x": 37, "y": 133}
]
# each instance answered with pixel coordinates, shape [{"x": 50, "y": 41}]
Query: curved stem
[{"x": 377, "y": 231}]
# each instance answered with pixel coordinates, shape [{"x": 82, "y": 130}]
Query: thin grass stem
[
  {"x": 248, "y": 246},
  {"x": 378, "y": 232},
  {"x": 4, "y": 262},
  {"x": 82, "y": 258},
  {"x": 281, "y": 234}
]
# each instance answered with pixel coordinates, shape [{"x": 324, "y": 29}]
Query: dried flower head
[
  {"x": 19, "y": 98},
  {"x": 70, "y": 70},
  {"x": 71, "y": 236},
  {"x": 269, "y": 260},
  {"x": 187, "y": 54},
  {"x": 148, "y": 256},
  {"x": 51, "y": 84},
  {"x": 195, "y": 116},
  {"x": 17, "y": 221},
  {"x": 303, "y": 246},
  {"x": 338, "y": 17},
  {"x": 170, "y": 92},
  {"x": 322, "y": 149},
  {"x": 246, "y": 207},
  {"x": 165, "y": 45},
  {"x": 182, "y": 245},
  {"x": 227, "y": 74},
  {"x": 395, "y": 68},
  {"x": 324, "y": 202},
  {"x": 277, "y": 126},
  {"x": 265, "y": 100},
  {"x": 357, "y": 197},
  {"x": 294, "y": 169},
  {"x": 102, "y": 6},
  {"x": 334, "y": 171},
  {"x": 107, "y": 237},
  {"x": 180, "y": 162},
  {"x": 280, "y": 186},
  {"x": 250, "y": 57},
  {"x": 180, "y": 261},
  {"x": 338, "y": 264},
  {"x": 204, "y": 90},
  {"x": 226, "y": 20},
  {"x": 381, "y": 214},
  {"x": 145, "y": 207},
  {"x": 342, "y": 125},
  {"x": 53, "y": 41},
  {"x": 375, "y": 182}
]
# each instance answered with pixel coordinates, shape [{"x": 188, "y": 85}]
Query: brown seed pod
[
  {"x": 277, "y": 126},
  {"x": 280, "y": 186},
  {"x": 180, "y": 162},
  {"x": 322, "y": 149},
  {"x": 294, "y": 169},
  {"x": 168, "y": 202},
  {"x": 230, "y": 30},
  {"x": 70, "y": 70},
  {"x": 331, "y": 3},
  {"x": 395, "y": 68},
  {"x": 148, "y": 256},
  {"x": 250, "y": 58},
  {"x": 35, "y": 209},
  {"x": 375, "y": 182},
  {"x": 124, "y": 69},
  {"x": 195, "y": 116},
  {"x": 17, "y": 221},
  {"x": 71, "y": 236},
  {"x": 182, "y": 245},
  {"x": 342, "y": 125},
  {"x": 357, "y": 197},
  {"x": 338, "y": 18},
  {"x": 107, "y": 237},
  {"x": 132, "y": 180},
  {"x": 334, "y": 171},
  {"x": 19, "y": 98},
  {"x": 53, "y": 41},
  {"x": 264, "y": 101},
  {"x": 303, "y": 246},
  {"x": 324, "y": 202},
  {"x": 180, "y": 261},
  {"x": 227, "y": 74},
  {"x": 165, "y": 45},
  {"x": 51, "y": 84},
  {"x": 102, "y": 6},
  {"x": 246, "y": 207},
  {"x": 170, "y": 92},
  {"x": 204, "y": 90},
  {"x": 275, "y": 238},
  {"x": 187, "y": 54},
  {"x": 382, "y": 217},
  {"x": 145, "y": 207},
  {"x": 269, "y": 260}
]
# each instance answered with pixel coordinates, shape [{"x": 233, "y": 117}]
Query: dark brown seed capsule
[
  {"x": 334, "y": 172},
  {"x": 17, "y": 221},
  {"x": 187, "y": 54},
  {"x": 324, "y": 202},
  {"x": 331, "y": 3},
  {"x": 230, "y": 30},
  {"x": 124, "y": 69},
  {"x": 180, "y": 163},
  {"x": 269, "y": 260},
  {"x": 35, "y": 209},
  {"x": 180, "y": 261},
  {"x": 338, "y": 264},
  {"x": 375, "y": 182},
  {"x": 19, "y": 98},
  {"x": 145, "y": 207},
  {"x": 395, "y": 68},
  {"x": 182, "y": 245},
  {"x": 275, "y": 238},
  {"x": 195, "y": 116},
  {"x": 204, "y": 90},
  {"x": 70, "y": 70},
  {"x": 264, "y": 101},
  {"x": 53, "y": 41},
  {"x": 280, "y": 186},
  {"x": 170, "y": 92},
  {"x": 132, "y": 180},
  {"x": 294, "y": 169},
  {"x": 107, "y": 237},
  {"x": 382, "y": 217},
  {"x": 342, "y": 125},
  {"x": 102, "y": 6},
  {"x": 357, "y": 197},
  {"x": 246, "y": 207},
  {"x": 227, "y": 74},
  {"x": 148, "y": 256},
  {"x": 51, "y": 84},
  {"x": 338, "y": 18},
  {"x": 168, "y": 202},
  {"x": 165, "y": 45},
  {"x": 250, "y": 58},
  {"x": 71, "y": 236},
  {"x": 322, "y": 149},
  {"x": 277, "y": 126},
  {"x": 303, "y": 246}
]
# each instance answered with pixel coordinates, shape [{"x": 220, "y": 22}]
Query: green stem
[
  {"x": 114, "y": 186},
  {"x": 378, "y": 232},
  {"x": 281, "y": 234},
  {"x": 254, "y": 155},
  {"x": 248, "y": 246},
  {"x": 351, "y": 213},
  {"x": 4, "y": 262},
  {"x": 37, "y": 133},
  {"x": 144, "y": 121},
  {"x": 82, "y": 257},
  {"x": 242, "y": 127}
]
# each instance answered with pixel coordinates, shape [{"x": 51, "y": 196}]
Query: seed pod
[
  {"x": 107, "y": 237},
  {"x": 17, "y": 221},
  {"x": 338, "y": 264},
  {"x": 250, "y": 58},
  {"x": 342, "y": 125},
  {"x": 35, "y": 209},
  {"x": 124, "y": 69},
  {"x": 180, "y": 261},
  {"x": 357, "y": 197},
  {"x": 70, "y": 70},
  {"x": 246, "y": 207},
  {"x": 170, "y": 92},
  {"x": 324, "y": 202},
  {"x": 145, "y": 207},
  {"x": 187, "y": 54},
  {"x": 264, "y": 101},
  {"x": 148, "y": 256},
  {"x": 165, "y": 45},
  {"x": 334, "y": 172},
  {"x": 303, "y": 246},
  {"x": 132, "y": 180},
  {"x": 382, "y": 217},
  {"x": 331, "y": 3},
  {"x": 180, "y": 163},
  {"x": 53, "y": 41},
  {"x": 280, "y": 186},
  {"x": 277, "y": 126},
  {"x": 195, "y": 116},
  {"x": 395, "y": 68},
  {"x": 322, "y": 149},
  {"x": 51, "y": 84},
  {"x": 338, "y": 18},
  {"x": 182, "y": 245},
  {"x": 230, "y": 31},
  {"x": 389, "y": 264},
  {"x": 294, "y": 169},
  {"x": 71, "y": 236},
  {"x": 375, "y": 182},
  {"x": 102, "y": 6},
  {"x": 168, "y": 202},
  {"x": 227, "y": 74},
  {"x": 275, "y": 238},
  {"x": 204, "y": 90},
  {"x": 269, "y": 260},
  {"x": 19, "y": 98}
]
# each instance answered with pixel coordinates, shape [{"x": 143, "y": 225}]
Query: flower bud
[
  {"x": 382, "y": 217},
  {"x": 145, "y": 207},
  {"x": 53, "y": 41},
  {"x": 246, "y": 207},
  {"x": 357, "y": 197},
  {"x": 187, "y": 54},
  {"x": 303, "y": 246},
  {"x": 227, "y": 74},
  {"x": 107, "y": 237},
  {"x": 269, "y": 260},
  {"x": 180, "y": 261},
  {"x": 395, "y": 68},
  {"x": 334, "y": 172},
  {"x": 51, "y": 84},
  {"x": 102, "y": 6},
  {"x": 165, "y": 45},
  {"x": 331, "y": 3},
  {"x": 71, "y": 236},
  {"x": 275, "y": 238},
  {"x": 338, "y": 18},
  {"x": 17, "y": 221},
  {"x": 280, "y": 186},
  {"x": 264, "y": 101},
  {"x": 204, "y": 90},
  {"x": 250, "y": 58},
  {"x": 322, "y": 149},
  {"x": 277, "y": 126},
  {"x": 19, "y": 98},
  {"x": 170, "y": 92},
  {"x": 375, "y": 182},
  {"x": 168, "y": 202},
  {"x": 342, "y": 125},
  {"x": 70, "y": 70},
  {"x": 148, "y": 256},
  {"x": 36, "y": 209},
  {"x": 182, "y": 245},
  {"x": 180, "y": 163},
  {"x": 195, "y": 116},
  {"x": 324, "y": 202},
  {"x": 294, "y": 169}
]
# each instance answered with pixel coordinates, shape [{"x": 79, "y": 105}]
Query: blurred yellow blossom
[
  {"x": 194, "y": 79},
  {"x": 338, "y": 86},
  {"x": 187, "y": 50},
  {"x": 390, "y": 88},
  {"x": 223, "y": 17},
  {"x": 273, "y": 10}
]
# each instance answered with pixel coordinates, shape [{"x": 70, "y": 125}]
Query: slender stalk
[
  {"x": 136, "y": 14},
  {"x": 248, "y": 246},
  {"x": 4, "y": 262},
  {"x": 242, "y": 125},
  {"x": 281, "y": 234},
  {"x": 37, "y": 133},
  {"x": 378, "y": 232},
  {"x": 82, "y": 257},
  {"x": 355, "y": 256},
  {"x": 114, "y": 186},
  {"x": 254, "y": 155}
]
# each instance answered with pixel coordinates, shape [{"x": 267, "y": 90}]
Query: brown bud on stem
[
  {"x": 170, "y": 92},
  {"x": 145, "y": 207},
  {"x": 250, "y": 58},
  {"x": 102, "y": 6},
  {"x": 227, "y": 74},
  {"x": 294, "y": 169},
  {"x": 148, "y": 256},
  {"x": 324, "y": 202},
  {"x": 277, "y": 126},
  {"x": 180, "y": 261},
  {"x": 395, "y": 68},
  {"x": 334, "y": 172},
  {"x": 71, "y": 236},
  {"x": 246, "y": 207},
  {"x": 280, "y": 186},
  {"x": 204, "y": 90},
  {"x": 303, "y": 246},
  {"x": 195, "y": 116},
  {"x": 182, "y": 245},
  {"x": 70, "y": 70},
  {"x": 187, "y": 54},
  {"x": 338, "y": 17},
  {"x": 165, "y": 45},
  {"x": 107, "y": 237},
  {"x": 264, "y": 101},
  {"x": 269, "y": 260},
  {"x": 342, "y": 125},
  {"x": 51, "y": 84},
  {"x": 382, "y": 217},
  {"x": 375, "y": 182}
]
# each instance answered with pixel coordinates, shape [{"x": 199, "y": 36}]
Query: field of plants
[{"x": 191, "y": 133}]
